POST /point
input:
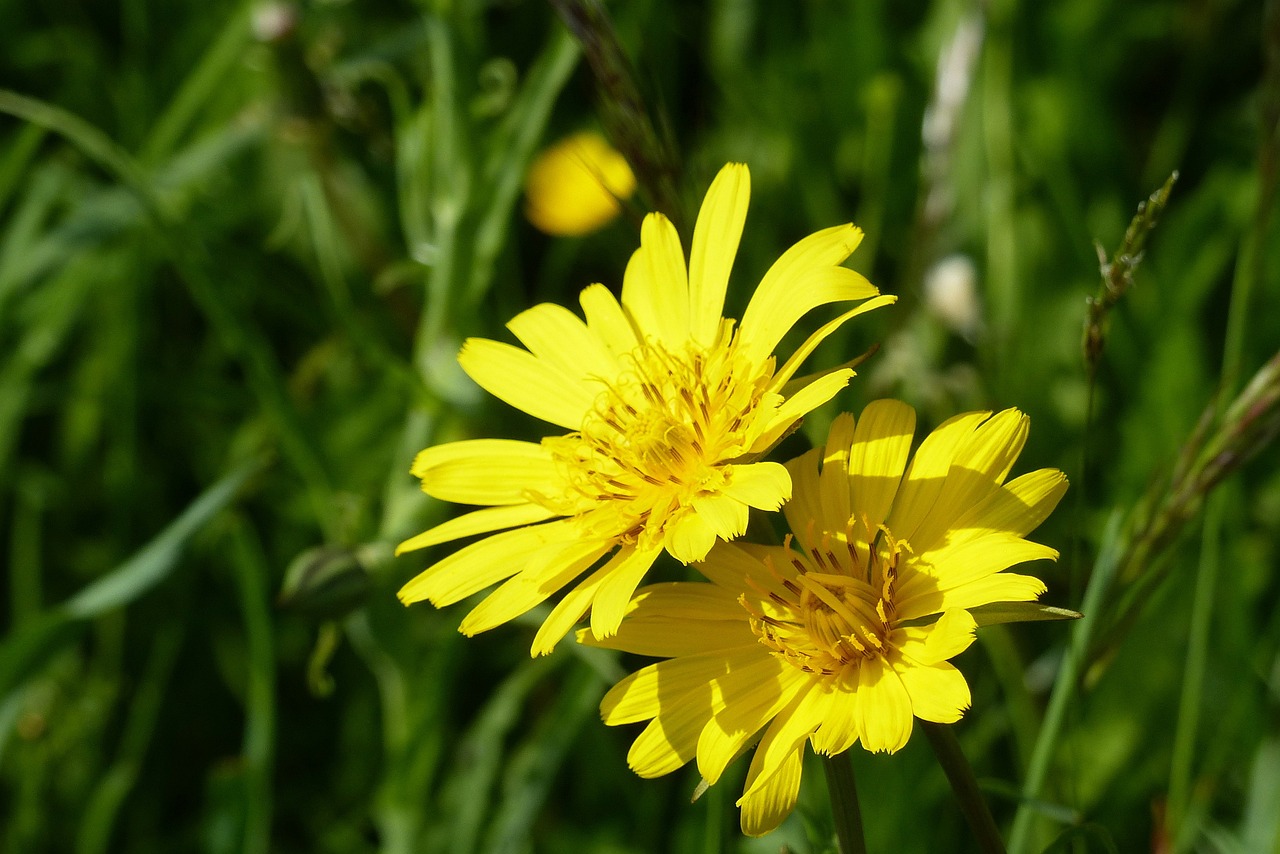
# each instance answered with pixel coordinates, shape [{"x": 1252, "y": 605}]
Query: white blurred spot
[{"x": 951, "y": 295}]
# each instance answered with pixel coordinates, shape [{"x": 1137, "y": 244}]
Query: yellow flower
[
  {"x": 574, "y": 186},
  {"x": 843, "y": 633},
  {"x": 668, "y": 407}
]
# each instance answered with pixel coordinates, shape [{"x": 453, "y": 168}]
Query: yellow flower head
[
  {"x": 574, "y": 186},
  {"x": 667, "y": 406},
  {"x": 842, "y": 634}
]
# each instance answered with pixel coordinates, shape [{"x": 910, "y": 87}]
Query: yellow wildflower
[
  {"x": 668, "y": 408},
  {"x": 574, "y": 186},
  {"x": 842, "y": 634}
]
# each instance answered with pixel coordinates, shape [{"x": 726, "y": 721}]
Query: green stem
[
  {"x": 960, "y": 775},
  {"x": 1064, "y": 686},
  {"x": 844, "y": 803}
]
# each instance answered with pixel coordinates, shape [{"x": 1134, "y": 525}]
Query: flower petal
[
  {"x": 477, "y": 522},
  {"x": 839, "y": 730},
  {"x": 726, "y": 516},
  {"x": 999, "y": 587},
  {"x": 544, "y": 574},
  {"x": 1019, "y": 506},
  {"x": 669, "y": 741},
  {"x": 655, "y": 287},
  {"x": 568, "y": 611},
  {"x": 788, "y": 370},
  {"x": 560, "y": 338},
  {"x": 804, "y": 278},
  {"x": 482, "y": 563},
  {"x": 610, "y": 603},
  {"x": 927, "y": 472},
  {"x": 715, "y": 243},
  {"x": 607, "y": 320},
  {"x": 877, "y": 457},
  {"x": 657, "y": 689},
  {"x": 773, "y": 780},
  {"x": 766, "y": 486},
  {"x": 804, "y": 510},
  {"x": 883, "y": 710},
  {"x": 769, "y": 805},
  {"x": 739, "y": 566},
  {"x": 689, "y": 538},
  {"x": 938, "y": 692},
  {"x": 942, "y": 641},
  {"x": 954, "y": 566},
  {"x": 800, "y": 404},
  {"x": 833, "y": 482},
  {"x": 978, "y": 470},
  {"x": 676, "y": 619},
  {"x": 528, "y": 383},
  {"x": 486, "y": 471},
  {"x": 751, "y": 696}
]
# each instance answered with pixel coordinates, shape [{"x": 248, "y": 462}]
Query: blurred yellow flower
[
  {"x": 668, "y": 408},
  {"x": 574, "y": 186},
  {"x": 843, "y": 633}
]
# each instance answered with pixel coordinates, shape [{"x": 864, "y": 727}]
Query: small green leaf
[{"x": 1020, "y": 612}]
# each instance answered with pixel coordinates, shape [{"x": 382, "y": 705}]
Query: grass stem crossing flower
[
  {"x": 845, "y": 632},
  {"x": 667, "y": 406}
]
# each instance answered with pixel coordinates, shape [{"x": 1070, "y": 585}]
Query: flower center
[
  {"x": 837, "y": 608},
  {"x": 660, "y": 433}
]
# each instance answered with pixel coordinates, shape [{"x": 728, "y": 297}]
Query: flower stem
[
  {"x": 965, "y": 785},
  {"x": 844, "y": 803}
]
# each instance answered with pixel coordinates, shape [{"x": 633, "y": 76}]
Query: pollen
[
  {"x": 662, "y": 433},
  {"x": 839, "y": 610}
]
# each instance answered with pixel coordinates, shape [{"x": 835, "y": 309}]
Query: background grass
[{"x": 240, "y": 243}]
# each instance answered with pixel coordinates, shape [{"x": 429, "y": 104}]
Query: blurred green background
[{"x": 241, "y": 242}]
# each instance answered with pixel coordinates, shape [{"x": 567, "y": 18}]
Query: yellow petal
[
  {"x": 730, "y": 565},
  {"x": 486, "y": 471},
  {"x": 839, "y": 730},
  {"x": 938, "y": 691},
  {"x": 476, "y": 522},
  {"x": 800, "y": 404},
  {"x": 977, "y": 472},
  {"x": 689, "y": 538},
  {"x": 724, "y": 515},
  {"x": 877, "y": 457},
  {"x": 804, "y": 278},
  {"x": 655, "y": 286},
  {"x": 678, "y": 618},
  {"x": 833, "y": 482},
  {"x": 568, "y": 611},
  {"x": 752, "y": 696},
  {"x": 1019, "y": 506},
  {"x": 797, "y": 358},
  {"x": 883, "y": 711},
  {"x": 922, "y": 483},
  {"x": 773, "y": 780},
  {"x": 789, "y": 730},
  {"x": 610, "y": 603},
  {"x": 544, "y": 574},
  {"x": 804, "y": 511},
  {"x": 528, "y": 383},
  {"x": 560, "y": 338},
  {"x": 660, "y": 688},
  {"x": 768, "y": 806},
  {"x": 1000, "y": 587},
  {"x": 942, "y": 641},
  {"x": 974, "y": 558},
  {"x": 766, "y": 486},
  {"x": 715, "y": 243},
  {"x": 607, "y": 320},
  {"x": 669, "y": 741},
  {"x": 482, "y": 563}
]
